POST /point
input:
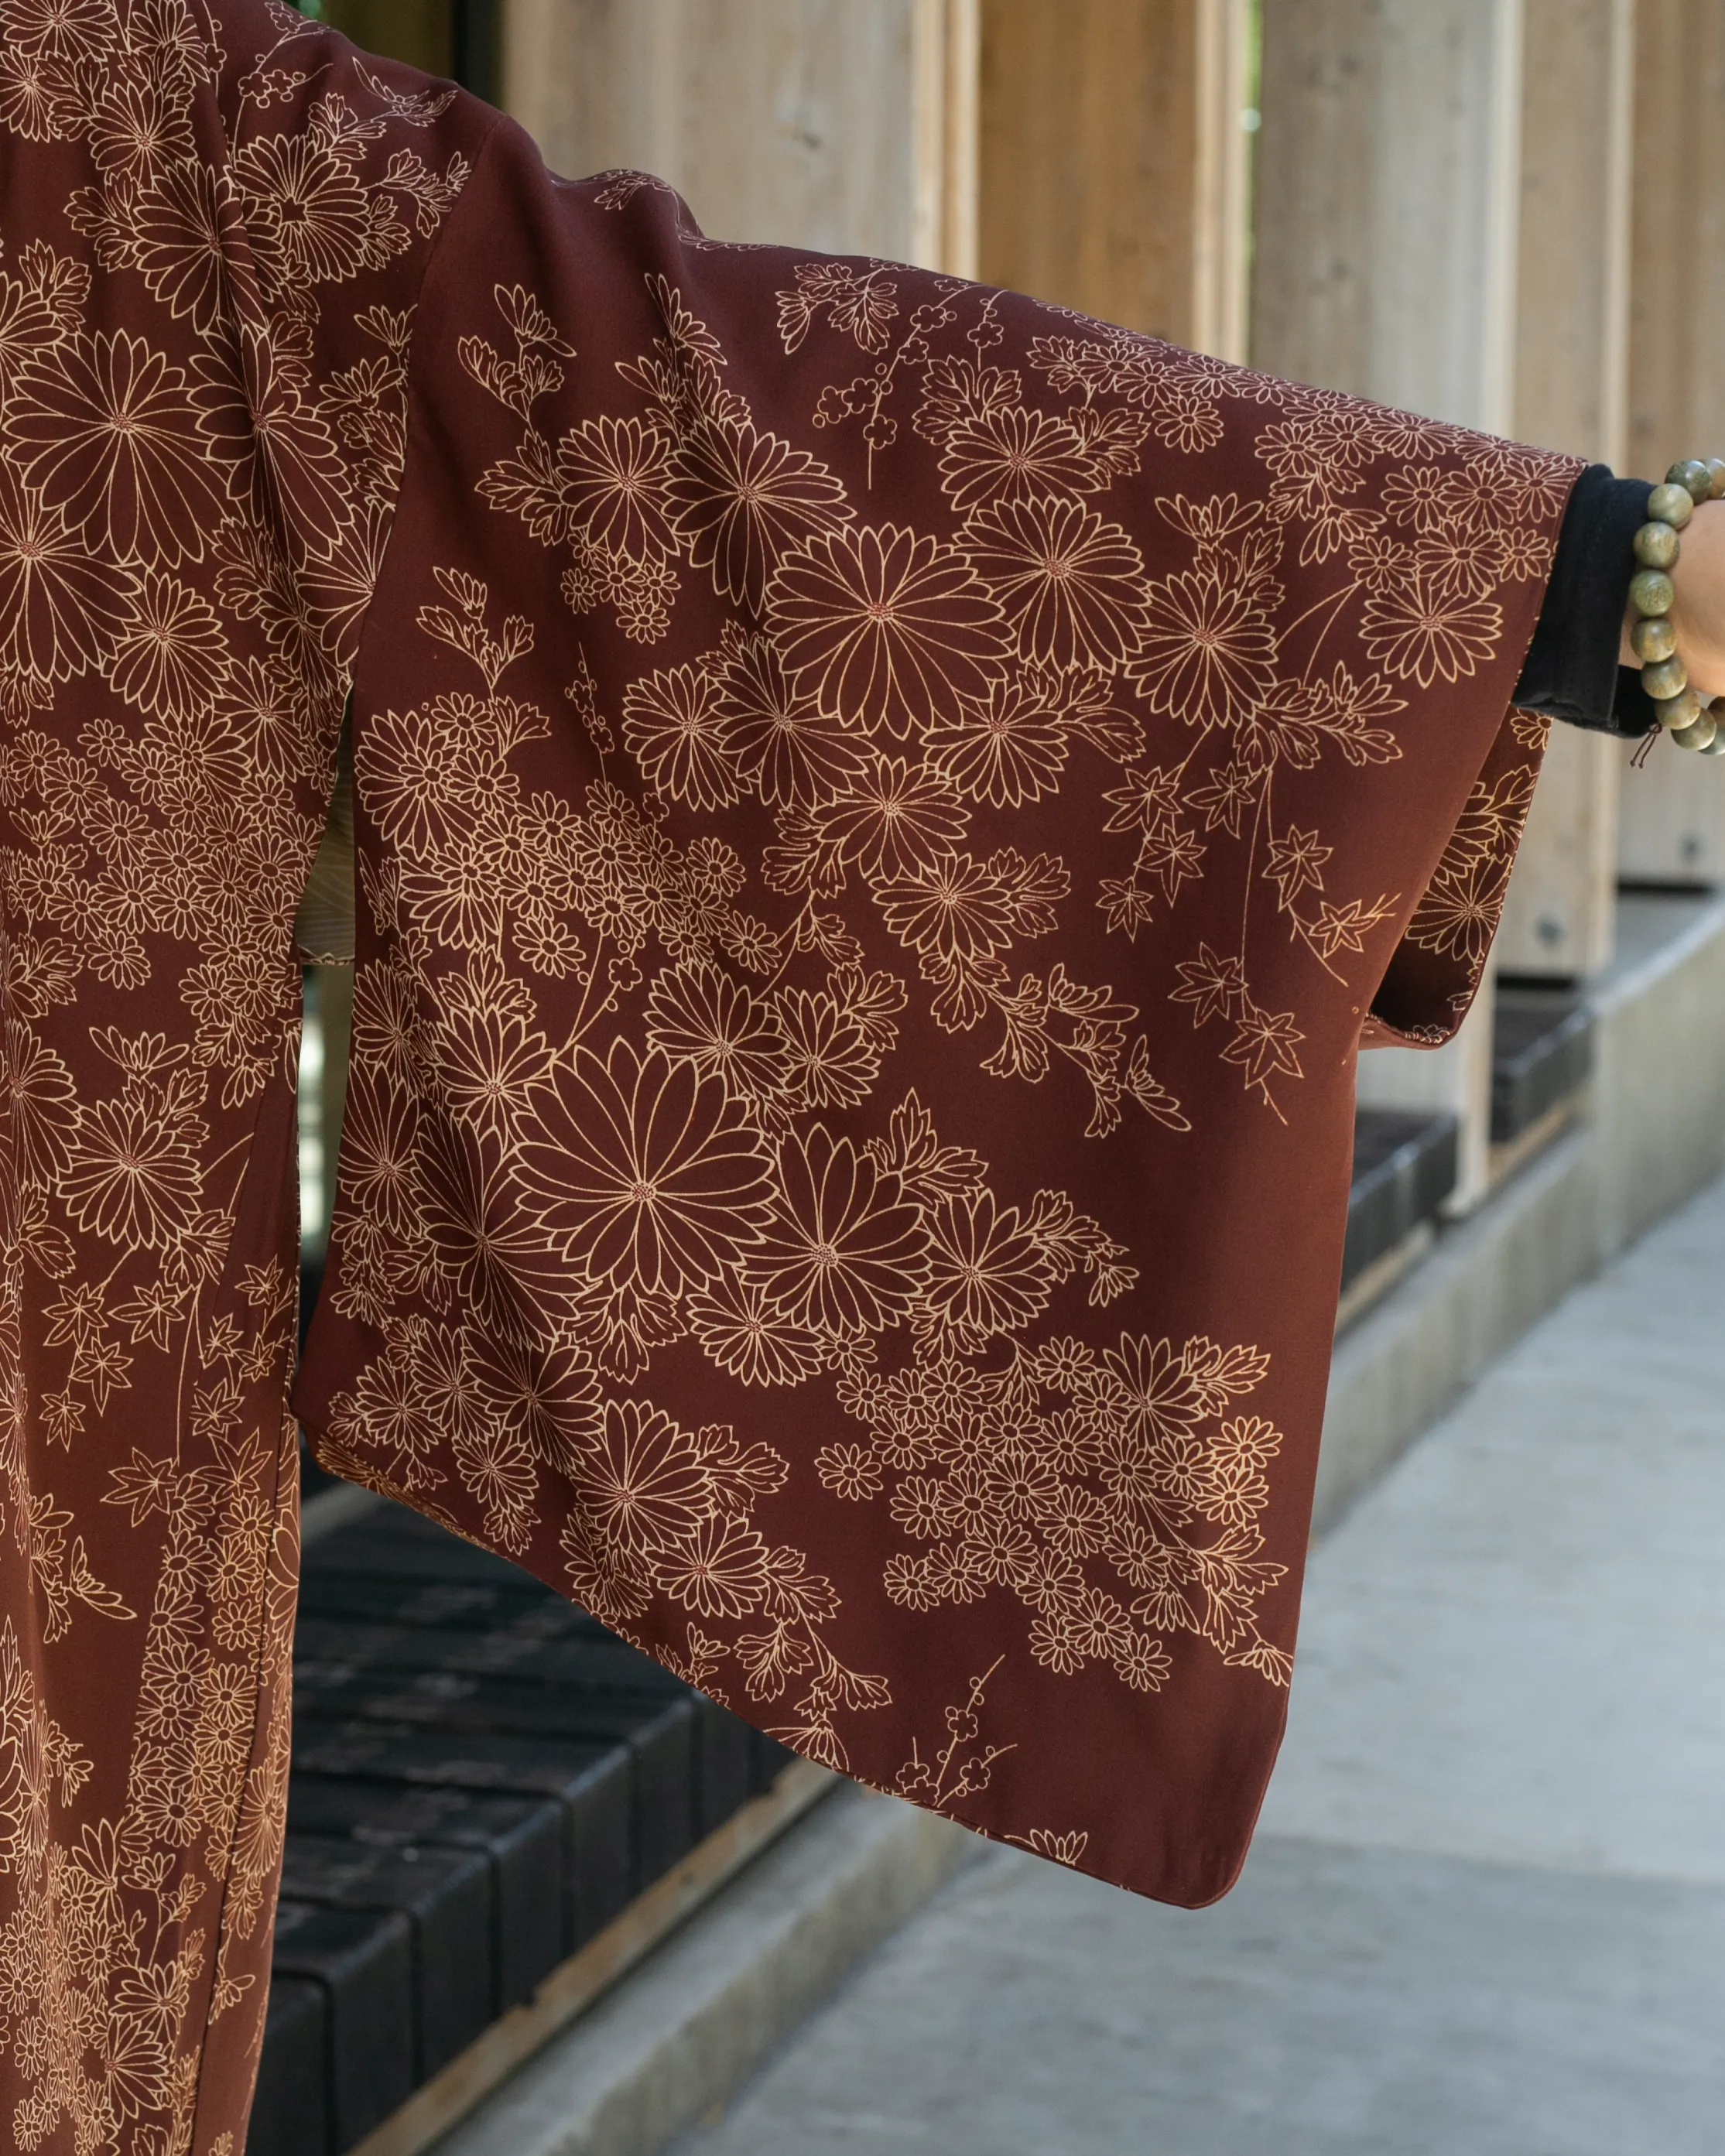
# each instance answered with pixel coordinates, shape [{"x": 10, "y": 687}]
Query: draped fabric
[{"x": 883, "y": 811}]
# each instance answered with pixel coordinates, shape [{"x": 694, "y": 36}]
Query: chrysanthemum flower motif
[
  {"x": 134, "y": 1176},
  {"x": 642, "y": 1479},
  {"x": 489, "y": 1059},
  {"x": 642, "y": 1171},
  {"x": 138, "y": 131},
  {"x": 1009, "y": 452},
  {"x": 496, "y": 1464},
  {"x": 1209, "y": 651},
  {"x": 313, "y": 222},
  {"x": 1232, "y": 1487},
  {"x": 379, "y": 1125},
  {"x": 957, "y": 908},
  {"x": 845, "y": 1252},
  {"x": 106, "y": 430},
  {"x": 896, "y": 818},
  {"x": 171, "y": 655},
  {"x": 192, "y": 766},
  {"x": 749, "y": 1336},
  {"x": 700, "y": 1014},
  {"x": 793, "y": 754},
  {"x": 1423, "y": 635},
  {"x": 188, "y": 227},
  {"x": 851, "y": 1471},
  {"x": 884, "y": 627},
  {"x": 741, "y": 499},
  {"x": 829, "y": 1061},
  {"x": 1007, "y": 749},
  {"x": 986, "y": 1272},
  {"x": 60, "y": 608},
  {"x": 38, "y": 1100},
  {"x": 611, "y": 475},
  {"x": 547, "y": 1389},
  {"x": 504, "y": 1269},
  {"x": 1457, "y": 916},
  {"x": 63, "y": 29},
  {"x": 674, "y": 730},
  {"x": 1070, "y": 583},
  {"x": 718, "y": 1569},
  {"x": 265, "y": 427}
]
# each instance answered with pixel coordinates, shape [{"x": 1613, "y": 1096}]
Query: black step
[
  {"x": 364, "y": 1967},
  {"x": 569, "y": 1668},
  {"x": 593, "y": 1783},
  {"x": 658, "y": 1731},
  {"x": 1542, "y": 1053},
  {"x": 521, "y": 1838},
  {"x": 1403, "y": 1168},
  {"x": 446, "y": 1895},
  {"x": 290, "y": 2107}
]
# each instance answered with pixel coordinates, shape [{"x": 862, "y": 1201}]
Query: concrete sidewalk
[{"x": 1486, "y": 1914}]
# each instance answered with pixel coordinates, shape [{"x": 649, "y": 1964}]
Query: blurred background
[{"x": 1506, "y": 212}]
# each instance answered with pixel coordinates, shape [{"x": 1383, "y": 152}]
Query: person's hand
[{"x": 1698, "y": 611}]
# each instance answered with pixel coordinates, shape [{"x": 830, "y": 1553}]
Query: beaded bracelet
[{"x": 1654, "y": 641}]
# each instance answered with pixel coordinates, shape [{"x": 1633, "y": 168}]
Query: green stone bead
[
  {"x": 1669, "y": 677},
  {"x": 1675, "y": 712},
  {"x": 1715, "y": 471},
  {"x": 1657, "y": 546},
  {"x": 1651, "y": 591},
  {"x": 1716, "y": 747},
  {"x": 1671, "y": 505},
  {"x": 1692, "y": 475},
  {"x": 1701, "y": 735},
  {"x": 1653, "y": 639}
]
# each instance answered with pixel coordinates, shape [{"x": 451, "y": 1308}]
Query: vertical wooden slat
[
  {"x": 1388, "y": 215},
  {"x": 1114, "y": 161},
  {"x": 1571, "y": 390},
  {"x": 1673, "y": 821},
  {"x": 815, "y": 123}
]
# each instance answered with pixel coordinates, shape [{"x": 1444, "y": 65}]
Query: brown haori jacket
[{"x": 883, "y": 811}]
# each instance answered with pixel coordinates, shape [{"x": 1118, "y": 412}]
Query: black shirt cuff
[{"x": 1572, "y": 671}]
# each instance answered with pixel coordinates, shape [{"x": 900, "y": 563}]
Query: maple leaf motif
[
  {"x": 1296, "y": 863},
  {"x": 146, "y": 1485},
  {"x": 1346, "y": 927},
  {"x": 1146, "y": 801},
  {"x": 1213, "y": 985},
  {"x": 1264, "y": 1046}
]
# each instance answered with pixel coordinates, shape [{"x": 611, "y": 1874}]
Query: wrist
[{"x": 1698, "y": 583}]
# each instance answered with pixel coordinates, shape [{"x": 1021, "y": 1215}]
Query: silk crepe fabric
[{"x": 883, "y": 812}]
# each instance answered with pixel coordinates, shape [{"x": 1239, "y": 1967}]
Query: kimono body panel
[{"x": 883, "y": 811}]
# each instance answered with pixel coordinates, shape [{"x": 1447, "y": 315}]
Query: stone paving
[{"x": 1486, "y": 1912}]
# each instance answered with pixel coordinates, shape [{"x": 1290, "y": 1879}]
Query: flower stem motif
[{"x": 956, "y": 1771}]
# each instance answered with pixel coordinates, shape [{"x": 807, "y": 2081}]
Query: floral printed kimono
[{"x": 884, "y": 812}]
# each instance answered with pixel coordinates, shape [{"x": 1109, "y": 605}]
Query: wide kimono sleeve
[{"x": 883, "y": 811}]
